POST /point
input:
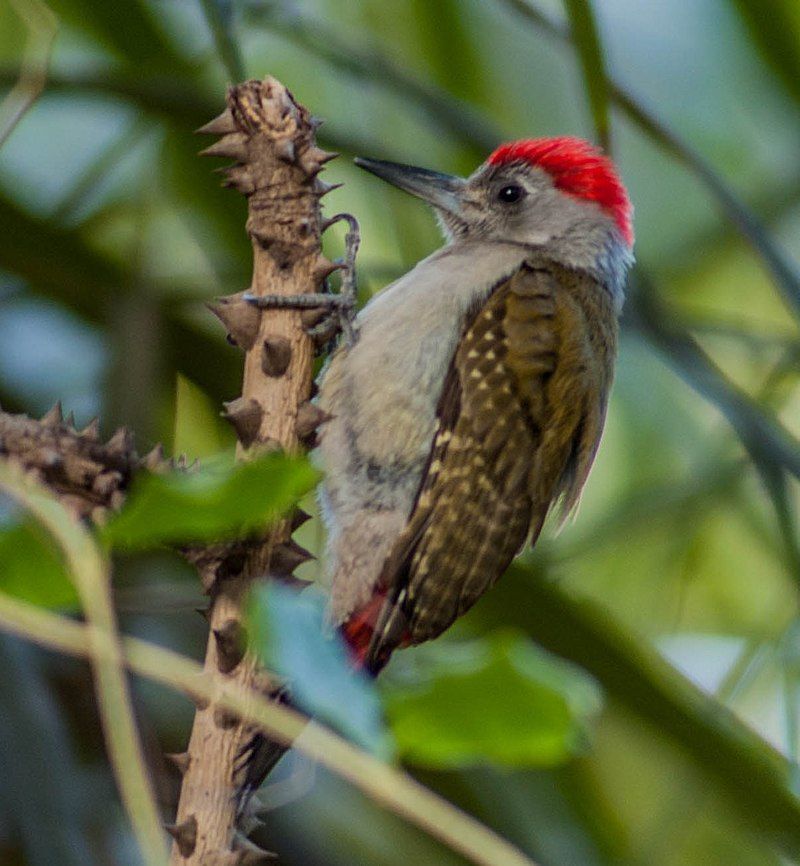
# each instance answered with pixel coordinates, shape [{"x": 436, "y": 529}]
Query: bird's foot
[{"x": 328, "y": 315}]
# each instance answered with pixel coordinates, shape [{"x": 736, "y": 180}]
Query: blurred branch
[
  {"x": 164, "y": 96},
  {"x": 777, "y": 487},
  {"x": 762, "y": 435},
  {"x": 785, "y": 367},
  {"x": 89, "y": 571},
  {"x": 772, "y": 448},
  {"x": 72, "y": 272},
  {"x": 754, "y": 776},
  {"x": 102, "y": 165},
  {"x": 775, "y": 37},
  {"x": 373, "y": 67},
  {"x": 745, "y": 670},
  {"x": 41, "y": 767},
  {"x": 714, "y": 327},
  {"x": 790, "y": 664},
  {"x": 687, "y": 496},
  {"x": 75, "y": 275},
  {"x": 136, "y": 380},
  {"x": 174, "y": 100},
  {"x": 586, "y": 38},
  {"x": 219, "y": 14},
  {"x": 42, "y": 27},
  {"x": 389, "y": 787},
  {"x": 783, "y": 270}
]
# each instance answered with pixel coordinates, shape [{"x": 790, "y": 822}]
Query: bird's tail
[
  {"x": 260, "y": 755},
  {"x": 257, "y": 759},
  {"x": 375, "y": 630}
]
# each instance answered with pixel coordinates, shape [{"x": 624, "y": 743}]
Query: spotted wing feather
[{"x": 515, "y": 410}]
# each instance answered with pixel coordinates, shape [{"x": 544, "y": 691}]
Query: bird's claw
[{"x": 339, "y": 310}]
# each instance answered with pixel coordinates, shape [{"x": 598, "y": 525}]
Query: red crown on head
[{"x": 577, "y": 168}]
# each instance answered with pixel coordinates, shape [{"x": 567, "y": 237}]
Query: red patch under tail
[{"x": 358, "y": 632}]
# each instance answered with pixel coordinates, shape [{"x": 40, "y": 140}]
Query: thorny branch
[
  {"x": 277, "y": 164},
  {"x": 271, "y": 139},
  {"x": 393, "y": 788},
  {"x": 89, "y": 569}
]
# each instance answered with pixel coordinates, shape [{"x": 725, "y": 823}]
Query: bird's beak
[{"x": 443, "y": 191}]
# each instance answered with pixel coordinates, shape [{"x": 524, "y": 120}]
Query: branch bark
[
  {"x": 271, "y": 138},
  {"x": 88, "y": 476}
]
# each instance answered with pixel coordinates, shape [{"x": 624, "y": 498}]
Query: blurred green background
[{"x": 113, "y": 233}]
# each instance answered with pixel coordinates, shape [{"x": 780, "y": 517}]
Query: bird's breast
[{"x": 385, "y": 389}]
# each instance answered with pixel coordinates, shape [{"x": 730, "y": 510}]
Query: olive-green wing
[{"x": 511, "y": 422}]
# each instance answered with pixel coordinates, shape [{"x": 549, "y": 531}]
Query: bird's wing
[{"x": 518, "y": 423}]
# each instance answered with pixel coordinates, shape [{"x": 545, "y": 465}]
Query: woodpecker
[{"x": 473, "y": 400}]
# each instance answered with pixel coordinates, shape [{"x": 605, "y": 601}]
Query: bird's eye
[{"x": 510, "y": 194}]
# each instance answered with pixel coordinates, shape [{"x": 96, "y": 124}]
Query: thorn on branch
[
  {"x": 121, "y": 442},
  {"x": 240, "y": 178},
  {"x": 54, "y": 416},
  {"x": 324, "y": 267},
  {"x": 231, "y": 642},
  {"x": 309, "y": 418},
  {"x": 245, "y": 416},
  {"x": 276, "y": 355},
  {"x": 299, "y": 517},
  {"x": 231, "y": 146},
  {"x": 286, "y": 150},
  {"x": 222, "y": 124},
  {"x": 286, "y": 557},
  {"x": 322, "y": 188},
  {"x": 184, "y": 834},
  {"x": 106, "y": 483},
  {"x": 154, "y": 460},
  {"x": 313, "y": 159},
  {"x": 313, "y": 317},
  {"x": 92, "y": 430},
  {"x": 239, "y": 318},
  {"x": 225, "y": 719},
  {"x": 179, "y": 760},
  {"x": 249, "y": 853}
]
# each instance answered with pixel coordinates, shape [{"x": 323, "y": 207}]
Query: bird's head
[{"x": 560, "y": 193}]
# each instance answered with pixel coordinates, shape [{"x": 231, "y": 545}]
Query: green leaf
[
  {"x": 197, "y": 421},
  {"x": 212, "y": 503},
  {"x": 291, "y": 638},
  {"x": 636, "y": 677},
  {"x": 130, "y": 30},
  {"x": 499, "y": 700},
  {"x": 31, "y": 567},
  {"x": 211, "y": 212},
  {"x": 775, "y": 30},
  {"x": 586, "y": 37},
  {"x": 71, "y": 272},
  {"x": 219, "y": 14},
  {"x": 40, "y": 742}
]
